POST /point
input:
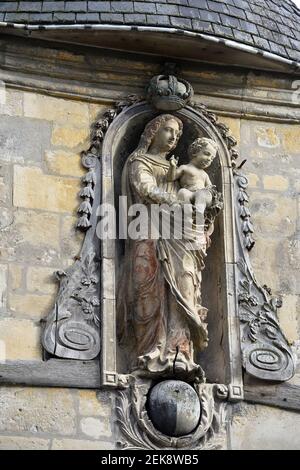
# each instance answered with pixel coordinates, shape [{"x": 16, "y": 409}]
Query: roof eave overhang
[{"x": 167, "y": 42}]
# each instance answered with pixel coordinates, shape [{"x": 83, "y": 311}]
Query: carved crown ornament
[
  {"x": 167, "y": 93},
  {"x": 101, "y": 297}
]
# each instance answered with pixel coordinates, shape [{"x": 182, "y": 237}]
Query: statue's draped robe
[{"x": 159, "y": 298}]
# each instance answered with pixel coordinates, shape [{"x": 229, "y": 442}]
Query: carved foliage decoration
[
  {"x": 139, "y": 433},
  {"x": 244, "y": 212},
  {"x": 265, "y": 350},
  {"x": 88, "y": 159},
  {"x": 266, "y": 353},
  {"x": 73, "y": 327}
]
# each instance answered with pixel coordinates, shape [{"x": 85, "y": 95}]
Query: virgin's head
[{"x": 161, "y": 135}]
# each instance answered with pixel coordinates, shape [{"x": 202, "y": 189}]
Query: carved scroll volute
[
  {"x": 73, "y": 327},
  {"x": 266, "y": 352}
]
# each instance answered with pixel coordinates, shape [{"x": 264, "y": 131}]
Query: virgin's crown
[{"x": 168, "y": 93}]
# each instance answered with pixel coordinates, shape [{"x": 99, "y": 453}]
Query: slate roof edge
[{"x": 110, "y": 27}]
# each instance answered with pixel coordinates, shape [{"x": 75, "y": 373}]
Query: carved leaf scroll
[
  {"x": 73, "y": 327},
  {"x": 139, "y": 433},
  {"x": 266, "y": 352},
  {"x": 244, "y": 211},
  {"x": 88, "y": 157}
]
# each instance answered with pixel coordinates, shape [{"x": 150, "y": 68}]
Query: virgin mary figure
[{"x": 159, "y": 311}]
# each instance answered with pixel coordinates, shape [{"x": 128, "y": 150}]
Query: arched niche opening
[{"x": 221, "y": 359}]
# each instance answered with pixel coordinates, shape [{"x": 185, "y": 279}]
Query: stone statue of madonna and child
[{"x": 160, "y": 318}]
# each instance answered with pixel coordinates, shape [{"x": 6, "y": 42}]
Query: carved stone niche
[
  {"x": 243, "y": 329},
  {"x": 221, "y": 360}
]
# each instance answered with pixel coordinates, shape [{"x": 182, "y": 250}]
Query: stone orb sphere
[{"x": 174, "y": 407}]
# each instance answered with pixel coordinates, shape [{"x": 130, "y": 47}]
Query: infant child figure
[{"x": 194, "y": 182}]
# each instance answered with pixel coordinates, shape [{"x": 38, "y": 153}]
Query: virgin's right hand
[{"x": 173, "y": 161}]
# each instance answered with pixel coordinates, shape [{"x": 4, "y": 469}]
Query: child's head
[{"x": 202, "y": 151}]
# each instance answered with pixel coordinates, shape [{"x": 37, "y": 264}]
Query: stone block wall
[
  {"x": 257, "y": 427},
  {"x": 55, "y": 418},
  {"x": 41, "y": 139}
]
